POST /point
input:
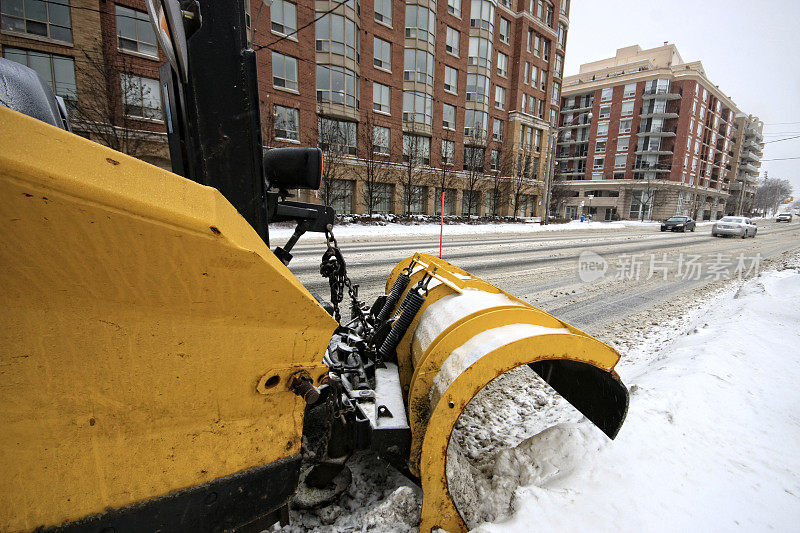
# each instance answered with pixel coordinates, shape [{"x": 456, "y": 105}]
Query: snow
[
  {"x": 710, "y": 441},
  {"x": 390, "y": 229}
]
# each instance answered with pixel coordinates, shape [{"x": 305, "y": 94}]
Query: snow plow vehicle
[{"x": 161, "y": 368}]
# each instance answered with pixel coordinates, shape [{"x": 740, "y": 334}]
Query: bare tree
[
  {"x": 522, "y": 177},
  {"x": 559, "y": 192},
  {"x": 416, "y": 156},
  {"x": 113, "y": 104},
  {"x": 336, "y": 140},
  {"x": 475, "y": 168},
  {"x": 771, "y": 193},
  {"x": 649, "y": 196},
  {"x": 375, "y": 168}
]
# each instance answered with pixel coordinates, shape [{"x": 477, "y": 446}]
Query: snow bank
[
  {"x": 710, "y": 442},
  {"x": 427, "y": 230}
]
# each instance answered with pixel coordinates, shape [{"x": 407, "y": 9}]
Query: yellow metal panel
[
  {"x": 138, "y": 317},
  {"x": 438, "y": 509}
]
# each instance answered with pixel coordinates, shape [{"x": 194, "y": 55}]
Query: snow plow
[{"x": 161, "y": 368}]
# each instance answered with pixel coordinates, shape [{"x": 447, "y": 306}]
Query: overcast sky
[{"x": 751, "y": 49}]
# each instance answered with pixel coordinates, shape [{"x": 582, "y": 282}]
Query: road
[{"x": 644, "y": 267}]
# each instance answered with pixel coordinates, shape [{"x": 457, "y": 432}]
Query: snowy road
[{"x": 543, "y": 267}]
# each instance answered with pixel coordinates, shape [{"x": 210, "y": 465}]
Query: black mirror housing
[{"x": 293, "y": 168}]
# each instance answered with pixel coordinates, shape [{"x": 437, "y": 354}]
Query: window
[
  {"x": 473, "y": 158},
  {"x": 284, "y": 17},
  {"x": 602, "y": 128},
  {"x": 554, "y": 95},
  {"x": 537, "y": 140},
  {"x": 497, "y": 129},
  {"x": 548, "y": 16},
  {"x": 537, "y": 45},
  {"x": 380, "y": 97},
  {"x": 565, "y": 6},
  {"x": 558, "y": 66},
  {"x": 532, "y": 105},
  {"x": 543, "y": 79},
  {"x": 382, "y": 52},
  {"x": 337, "y": 34},
  {"x": 627, "y": 109},
  {"x": 630, "y": 90},
  {"x": 380, "y": 140},
  {"x": 477, "y": 88},
  {"x": 530, "y": 38},
  {"x": 599, "y": 162},
  {"x": 540, "y": 109},
  {"x": 534, "y": 75},
  {"x": 337, "y": 85},
  {"x": 287, "y": 123},
  {"x": 480, "y": 52},
  {"x": 417, "y": 107},
  {"x": 141, "y": 97},
  {"x": 624, "y": 125},
  {"x": 481, "y": 15},
  {"x": 284, "y": 71},
  {"x": 454, "y": 7},
  {"x": 525, "y": 75},
  {"x": 622, "y": 144},
  {"x": 539, "y": 8},
  {"x": 337, "y": 136},
  {"x": 453, "y": 38},
  {"x": 620, "y": 161},
  {"x": 600, "y": 147},
  {"x": 449, "y": 201},
  {"x": 448, "y": 116},
  {"x": 504, "y": 33},
  {"x": 383, "y": 11},
  {"x": 57, "y": 71},
  {"x": 499, "y": 97},
  {"x": 494, "y": 160},
  {"x": 420, "y": 23},
  {"x": 418, "y": 66},
  {"x": 341, "y": 195},
  {"x": 475, "y": 124},
  {"x": 605, "y": 96},
  {"x": 448, "y": 152},
  {"x": 415, "y": 197},
  {"x": 605, "y": 111},
  {"x": 47, "y": 19},
  {"x": 470, "y": 201},
  {"x": 450, "y": 79},
  {"x": 135, "y": 33},
  {"x": 383, "y": 193},
  {"x": 562, "y": 36},
  {"x": 528, "y": 139},
  {"x": 502, "y": 64},
  {"x": 417, "y": 148}
]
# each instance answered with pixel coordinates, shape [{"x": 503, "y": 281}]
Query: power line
[
  {"x": 304, "y": 26},
  {"x": 786, "y": 139},
  {"x": 781, "y": 159},
  {"x": 780, "y": 123}
]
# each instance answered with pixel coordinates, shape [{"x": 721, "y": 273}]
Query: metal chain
[{"x": 334, "y": 268}]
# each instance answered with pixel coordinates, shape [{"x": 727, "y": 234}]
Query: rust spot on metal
[
  {"x": 215, "y": 230},
  {"x": 112, "y": 161},
  {"x": 92, "y": 421}
]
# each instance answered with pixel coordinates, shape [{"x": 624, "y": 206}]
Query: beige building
[
  {"x": 645, "y": 134},
  {"x": 748, "y": 149}
]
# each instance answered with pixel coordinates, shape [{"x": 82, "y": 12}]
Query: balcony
[
  {"x": 660, "y": 168},
  {"x": 666, "y": 115},
  {"x": 749, "y": 169},
  {"x": 658, "y": 133},
  {"x": 572, "y": 172},
  {"x": 572, "y": 157},
  {"x": 646, "y": 151},
  {"x": 573, "y": 141},
  {"x": 661, "y": 93},
  {"x": 577, "y": 108}
]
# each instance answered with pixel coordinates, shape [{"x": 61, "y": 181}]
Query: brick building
[
  {"x": 646, "y": 135},
  {"x": 406, "y": 99},
  {"x": 102, "y": 58},
  {"x": 417, "y": 97}
]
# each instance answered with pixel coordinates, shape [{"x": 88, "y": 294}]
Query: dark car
[{"x": 678, "y": 224}]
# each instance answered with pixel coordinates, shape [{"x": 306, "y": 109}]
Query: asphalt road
[{"x": 643, "y": 267}]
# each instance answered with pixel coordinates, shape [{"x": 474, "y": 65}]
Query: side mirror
[{"x": 293, "y": 168}]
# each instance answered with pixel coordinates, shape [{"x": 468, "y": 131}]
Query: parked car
[
  {"x": 783, "y": 217},
  {"x": 679, "y": 223},
  {"x": 737, "y": 226}
]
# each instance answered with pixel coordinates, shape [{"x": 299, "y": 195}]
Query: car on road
[
  {"x": 783, "y": 217},
  {"x": 737, "y": 226},
  {"x": 679, "y": 223}
]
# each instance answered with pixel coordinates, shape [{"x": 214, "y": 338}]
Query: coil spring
[
  {"x": 411, "y": 306},
  {"x": 399, "y": 286}
]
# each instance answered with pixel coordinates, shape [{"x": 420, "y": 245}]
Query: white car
[{"x": 737, "y": 226}]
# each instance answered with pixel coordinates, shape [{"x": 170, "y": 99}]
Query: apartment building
[
  {"x": 748, "y": 149},
  {"x": 464, "y": 91},
  {"x": 646, "y": 135},
  {"x": 102, "y": 59}
]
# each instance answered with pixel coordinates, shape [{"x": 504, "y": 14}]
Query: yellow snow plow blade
[
  {"x": 147, "y": 336},
  {"x": 468, "y": 333}
]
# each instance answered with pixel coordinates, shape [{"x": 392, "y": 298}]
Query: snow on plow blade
[{"x": 468, "y": 333}]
